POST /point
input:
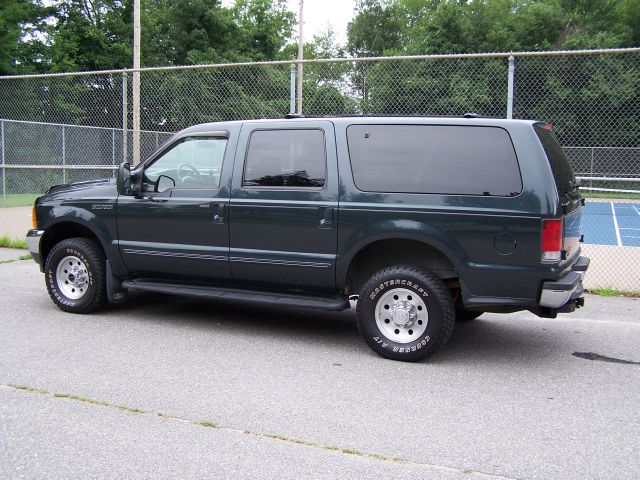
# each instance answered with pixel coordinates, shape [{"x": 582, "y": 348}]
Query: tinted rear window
[
  {"x": 458, "y": 160},
  {"x": 286, "y": 158},
  {"x": 562, "y": 173}
]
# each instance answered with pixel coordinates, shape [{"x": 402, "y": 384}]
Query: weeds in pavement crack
[{"x": 274, "y": 436}]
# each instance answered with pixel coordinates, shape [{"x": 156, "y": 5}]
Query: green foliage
[
  {"x": 614, "y": 292},
  {"x": 452, "y": 26},
  {"x": 589, "y": 90},
  {"x": 97, "y": 35},
  {"x": 6, "y": 242},
  {"x": 20, "y": 21},
  {"x": 92, "y": 35},
  {"x": 376, "y": 28},
  {"x": 68, "y": 35},
  {"x": 193, "y": 32}
]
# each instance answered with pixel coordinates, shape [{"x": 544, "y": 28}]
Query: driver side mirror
[{"x": 123, "y": 181}]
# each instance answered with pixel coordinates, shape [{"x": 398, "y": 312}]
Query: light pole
[
  {"x": 300, "y": 57},
  {"x": 136, "y": 82}
]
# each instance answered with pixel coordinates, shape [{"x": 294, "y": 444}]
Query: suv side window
[
  {"x": 286, "y": 158},
  {"x": 193, "y": 162},
  {"x": 443, "y": 159}
]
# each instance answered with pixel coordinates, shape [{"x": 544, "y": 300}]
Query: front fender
[{"x": 102, "y": 226}]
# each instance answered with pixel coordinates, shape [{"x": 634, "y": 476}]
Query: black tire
[
  {"x": 466, "y": 315},
  {"x": 90, "y": 263},
  {"x": 397, "y": 286}
]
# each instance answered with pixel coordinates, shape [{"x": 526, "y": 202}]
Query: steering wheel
[{"x": 184, "y": 169}]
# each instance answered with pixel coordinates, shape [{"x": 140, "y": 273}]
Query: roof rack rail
[{"x": 356, "y": 115}]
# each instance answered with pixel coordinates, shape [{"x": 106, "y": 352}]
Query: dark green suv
[{"x": 423, "y": 220}]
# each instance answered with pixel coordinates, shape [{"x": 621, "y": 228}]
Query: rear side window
[
  {"x": 286, "y": 158},
  {"x": 456, "y": 160},
  {"x": 562, "y": 173}
]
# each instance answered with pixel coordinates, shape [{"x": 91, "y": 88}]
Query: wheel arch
[
  {"x": 63, "y": 229},
  {"x": 389, "y": 251}
]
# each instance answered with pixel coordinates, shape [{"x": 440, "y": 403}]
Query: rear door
[{"x": 283, "y": 207}]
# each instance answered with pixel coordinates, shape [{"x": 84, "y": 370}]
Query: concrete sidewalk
[
  {"x": 15, "y": 222},
  {"x": 11, "y": 253}
]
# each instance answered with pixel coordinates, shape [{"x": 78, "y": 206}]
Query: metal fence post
[
  {"x": 113, "y": 149},
  {"x": 292, "y": 89},
  {"x": 64, "y": 157},
  {"x": 512, "y": 69},
  {"x": 4, "y": 171},
  {"x": 125, "y": 115},
  {"x": 591, "y": 169}
]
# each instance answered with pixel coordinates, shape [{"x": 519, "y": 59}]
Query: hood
[{"x": 92, "y": 188}]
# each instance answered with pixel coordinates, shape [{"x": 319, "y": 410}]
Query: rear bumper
[
  {"x": 33, "y": 243},
  {"x": 567, "y": 289}
]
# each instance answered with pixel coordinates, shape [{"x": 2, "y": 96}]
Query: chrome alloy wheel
[
  {"x": 401, "y": 315},
  {"x": 72, "y": 278}
]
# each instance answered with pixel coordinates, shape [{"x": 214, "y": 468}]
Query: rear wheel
[
  {"x": 404, "y": 313},
  {"x": 75, "y": 275}
]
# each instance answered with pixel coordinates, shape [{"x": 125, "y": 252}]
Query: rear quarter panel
[{"x": 465, "y": 228}]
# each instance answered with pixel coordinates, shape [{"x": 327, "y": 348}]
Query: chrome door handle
[
  {"x": 218, "y": 217},
  {"x": 326, "y": 217}
]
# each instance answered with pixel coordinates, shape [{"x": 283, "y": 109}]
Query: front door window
[{"x": 193, "y": 162}]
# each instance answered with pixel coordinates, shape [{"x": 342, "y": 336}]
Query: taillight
[
  {"x": 551, "y": 240},
  {"x": 34, "y": 220}
]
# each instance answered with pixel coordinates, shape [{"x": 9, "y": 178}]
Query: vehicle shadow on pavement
[
  {"x": 503, "y": 339},
  {"x": 492, "y": 338},
  {"x": 246, "y": 318}
]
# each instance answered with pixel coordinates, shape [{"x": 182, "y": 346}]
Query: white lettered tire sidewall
[
  {"x": 431, "y": 291},
  {"x": 93, "y": 258}
]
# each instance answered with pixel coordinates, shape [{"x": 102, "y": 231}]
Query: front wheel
[
  {"x": 404, "y": 313},
  {"x": 75, "y": 275}
]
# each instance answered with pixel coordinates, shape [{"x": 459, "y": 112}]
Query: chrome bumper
[
  {"x": 33, "y": 243},
  {"x": 568, "y": 288}
]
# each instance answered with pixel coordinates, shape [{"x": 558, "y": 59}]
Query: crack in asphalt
[{"x": 273, "y": 436}]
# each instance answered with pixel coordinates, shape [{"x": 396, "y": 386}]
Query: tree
[
  {"x": 377, "y": 27},
  {"x": 20, "y": 22},
  {"x": 90, "y": 35}
]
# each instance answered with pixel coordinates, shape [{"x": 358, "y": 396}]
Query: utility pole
[
  {"x": 136, "y": 82},
  {"x": 300, "y": 57}
]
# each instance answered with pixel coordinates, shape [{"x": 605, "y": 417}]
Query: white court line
[
  {"x": 615, "y": 224},
  {"x": 629, "y": 228},
  {"x": 636, "y": 209}
]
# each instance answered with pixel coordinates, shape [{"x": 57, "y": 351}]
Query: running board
[{"x": 320, "y": 302}]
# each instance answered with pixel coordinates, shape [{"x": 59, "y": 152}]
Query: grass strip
[
  {"x": 6, "y": 242},
  {"x": 614, "y": 292},
  {"x": 18, "y": 199}
]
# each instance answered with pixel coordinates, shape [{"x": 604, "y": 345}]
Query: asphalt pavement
[{"x": 169, "y": 387}]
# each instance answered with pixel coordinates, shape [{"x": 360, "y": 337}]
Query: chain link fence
[{"x": 62, "y": 128}]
